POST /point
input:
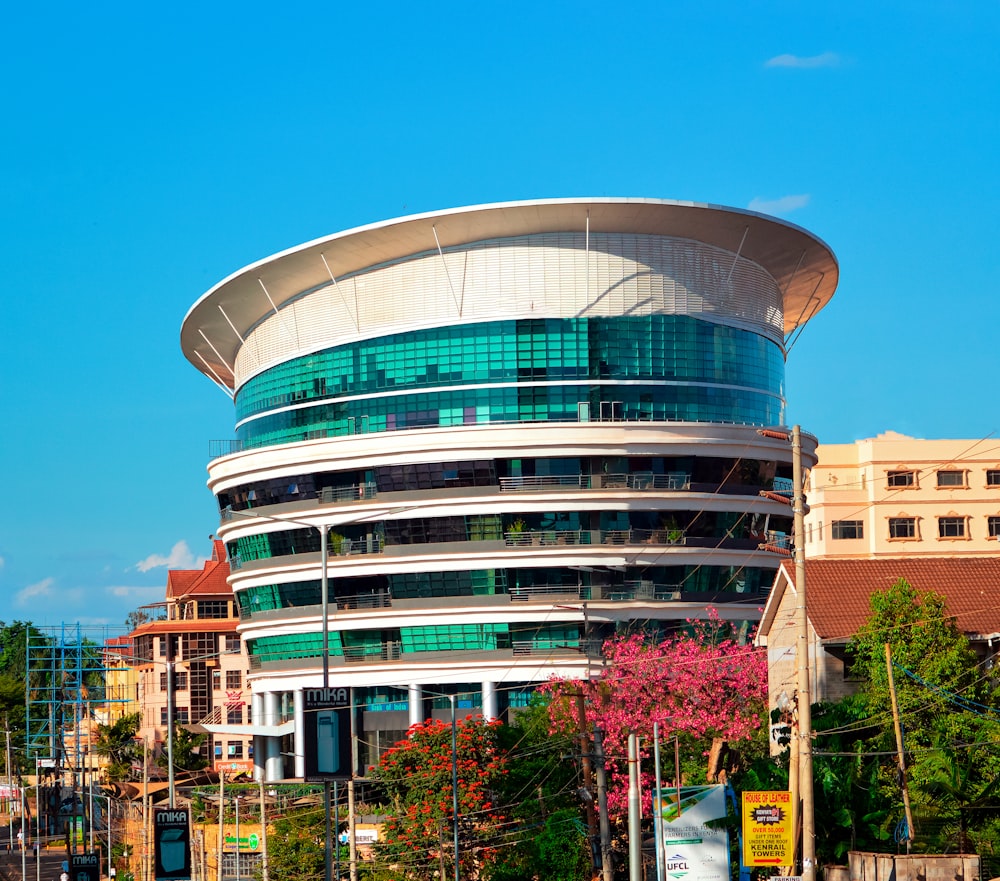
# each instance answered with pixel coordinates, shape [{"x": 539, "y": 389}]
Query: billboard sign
[
  {"x": 85, "y": 867},
  {"x": 695, "y": 851},
  {"x": 172, "y": 845},
  {"x": 328, "y": 733},
  {"x": 768, "y": 836}
]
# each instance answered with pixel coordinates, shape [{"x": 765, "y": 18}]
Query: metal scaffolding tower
[{"x": 66, "y": 684}]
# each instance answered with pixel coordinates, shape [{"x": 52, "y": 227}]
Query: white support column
[
  {"x": 416, "y": 704},
  {"x": 257, "y": 717},
  {"x": 300, "y": 734},
  {"x": 490, "y": 711},
  {"x": 272, "y": 759}
]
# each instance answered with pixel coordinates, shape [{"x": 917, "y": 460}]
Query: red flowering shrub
[{"x": 416, "y": 775}]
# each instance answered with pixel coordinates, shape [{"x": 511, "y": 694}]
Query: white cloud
[
  {"x": 802, "y": 62},
  {"x": 3, "y": 562},
  {"x": 34, "y": 591},
  {"x": 781, "y": 205},
  {"x": 180, "y": 557},
  {"x": 141, "y": 595}
]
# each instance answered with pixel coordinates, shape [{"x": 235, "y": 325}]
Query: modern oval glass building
[{"x": 524, "y": 426}]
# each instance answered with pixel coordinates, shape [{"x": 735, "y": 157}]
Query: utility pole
[
  {"x": 588, "y": 780},
  {"x": 634, "y": 818},
  {"x": 145, "y": 809},
  {"x": 352, "y": 841},
  {"x": 265, "y": 869},
  {"x": 607, "y": 871},
  {"x": 222, "y": 821},
  {"x": 10, "y": 789},
  {"x": 805, "y": 707},
  {"x": 901, "y": 756}
]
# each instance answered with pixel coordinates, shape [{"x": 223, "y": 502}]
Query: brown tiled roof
[
  {"x": 210, "y": 580},
  {"x": 838, "y": 590},
  {"x": 183, "y": 625}
]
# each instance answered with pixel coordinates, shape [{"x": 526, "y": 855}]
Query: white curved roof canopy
[{"x": 803, "y": 266}]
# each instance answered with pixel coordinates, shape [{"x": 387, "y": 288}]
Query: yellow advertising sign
[{"x": 768, "y": 836}]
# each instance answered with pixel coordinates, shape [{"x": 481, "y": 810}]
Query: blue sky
[{"x": 148, "y": 152}]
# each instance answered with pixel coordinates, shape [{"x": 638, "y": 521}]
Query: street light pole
[
  {"x": 324, "y": 529},
  {"x": 324, "y": 599},
  {"x": 171, "y": 710},
  {"x": 236, "y": 800},
  {"x": 38, "y": 821},
  {"x": 454, "y": 780}
]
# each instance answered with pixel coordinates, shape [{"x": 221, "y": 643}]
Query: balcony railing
[
  {"x": 359, "y": 491},
  {"x": 643, "y": 537},
  {"x": 586, "y": 647},
  {"x": 386, "y": 651},
  {"x": 643, "y": 590},
  {"x": 553, "y": 481},
  {"x": 377, "y": 599},
  {"x": 677, "y": 480},
  {"x": 777, "y": 543},
  {"x": 549, "y": 537},
  {"x": 533, "y": 592},
  {"x": 370, "y": 544}
]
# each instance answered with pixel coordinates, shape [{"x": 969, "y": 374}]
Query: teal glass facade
[
  {"x": 733, "y": 581},
  {"x": 392, "y": 644},
  {"x": 655, "y": 367}
]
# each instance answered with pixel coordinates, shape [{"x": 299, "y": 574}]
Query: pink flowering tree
[{"x": 700, "y": 684}]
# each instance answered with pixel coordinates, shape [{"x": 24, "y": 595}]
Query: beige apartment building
[
  {"x": 898, "y": 496},
  {"x": 197, "y": 638}
]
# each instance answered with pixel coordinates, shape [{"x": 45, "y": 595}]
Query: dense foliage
[
  {"x": 416, "y": 775},
  {"x": 948, "y": 710},
  {"x": 700, "y": 684},
  {"x": 518, "y": 809},
  {"x": 117, "y": 745},
  {"x": 188, "y": 753},
  {"x": 297, "y": 845}
]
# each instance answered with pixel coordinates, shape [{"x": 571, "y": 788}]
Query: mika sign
[
  {"x": 85, "y": 866},
  {"x": 327, "y": 734},
  {"x": 172, "y": 845}
]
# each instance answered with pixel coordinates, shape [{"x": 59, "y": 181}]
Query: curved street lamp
[{"x": 323, "y": 529}]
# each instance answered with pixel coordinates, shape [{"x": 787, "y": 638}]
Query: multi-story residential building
[
  {"x": 121, "y": 680},
  {"x": 523, "y": 427},
  {"x": 198, "y": 639},
  {"x": 838, "y": 594},
  {"x": 898, "y": 496}
]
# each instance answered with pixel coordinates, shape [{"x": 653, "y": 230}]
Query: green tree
[
  {"x": 539, "y": 793},
  {"x": 117, "y": 743},
  {"x": 946, "y": 702},
  {"x": 296, "y": 846},
  {"x": 137, "y": 617},
  {"x": 416, "y": 775},
  {"x": 188, "y": 755}
]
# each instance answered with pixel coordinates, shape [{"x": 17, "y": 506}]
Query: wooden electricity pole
[
  {"x": 901, "y": 757},
  {"x": 804, "y": 705}
]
